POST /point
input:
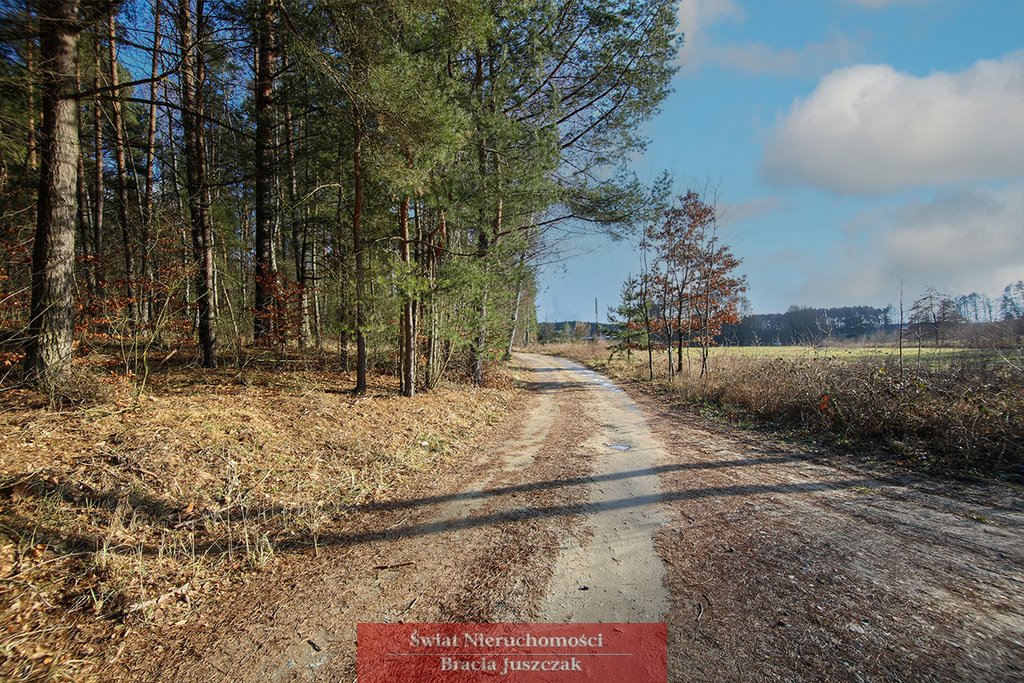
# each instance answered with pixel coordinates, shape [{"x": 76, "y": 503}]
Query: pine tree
[{"x": 48, "y": 351}]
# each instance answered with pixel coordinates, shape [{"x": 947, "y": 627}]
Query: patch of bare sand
[{"x": 613, "y": 574}]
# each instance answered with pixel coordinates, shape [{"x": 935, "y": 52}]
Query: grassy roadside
[
  {"x": 124, "y": 508},
  {"x": 959, "y": 414}
]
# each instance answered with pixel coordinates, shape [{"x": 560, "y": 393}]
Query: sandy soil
[
  {"x": 614, "y": 574},
  {"x": 767, "y": 562}
]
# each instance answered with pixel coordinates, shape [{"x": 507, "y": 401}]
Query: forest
[
  {"x": 265, "y": 263},
  {"x": 373, "y": 178}
]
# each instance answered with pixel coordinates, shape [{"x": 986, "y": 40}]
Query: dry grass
[
  {"x": 125, "y": 510},
  {"x": 955, "y": 417}
]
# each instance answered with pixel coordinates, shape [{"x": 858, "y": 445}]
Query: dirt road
[{"x": 592, "y": 505}]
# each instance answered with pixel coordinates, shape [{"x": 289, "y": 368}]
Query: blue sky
[{"x": 853, "y": 144}]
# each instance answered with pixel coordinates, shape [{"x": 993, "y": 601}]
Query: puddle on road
[
  {"x": 599, "y": 380},
  {"x": 619, "y": 446}
]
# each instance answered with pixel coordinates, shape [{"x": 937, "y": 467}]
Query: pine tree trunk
[
  {"x": 122, "y": 172},
  {"x": 195, "y": 173},
  {"x": 48, "y": 351},
  {"x": 357, "y": 246},
  {"x": 408, "y": 309},
  {"x": 148, "y": 222},
  {"x": 264, "y": 143},
  {"x": 98, "y": 188}
]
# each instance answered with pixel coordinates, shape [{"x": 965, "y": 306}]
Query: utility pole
[{"x": 597, "y": 326}]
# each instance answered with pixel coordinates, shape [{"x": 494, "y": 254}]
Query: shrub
[{"x": 963, "y": 416}]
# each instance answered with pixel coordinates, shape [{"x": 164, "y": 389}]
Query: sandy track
[
  {"x": 614, "y": 573},
  {"x": 766, "y": 562}
]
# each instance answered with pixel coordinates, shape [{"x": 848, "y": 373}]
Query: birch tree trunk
[
  {"x": 98, "y": 189},
  {"x": 32, "y": 156},
  {"x": 148, "y": 227},
  {"x": 300, "y": 236}
]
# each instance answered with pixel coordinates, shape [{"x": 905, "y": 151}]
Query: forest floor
[
  {"x": 128, "y": 508},
  {"x": 575, "y": 500}
]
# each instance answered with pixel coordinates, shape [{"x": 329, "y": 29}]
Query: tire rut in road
[{"x": 614, "y": 573}]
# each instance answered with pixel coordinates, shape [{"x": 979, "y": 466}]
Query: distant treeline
[
  {"x": 932, "y": 319},
  {"x": 810, "y": 325},
  {"x": 795, "y": 326}
]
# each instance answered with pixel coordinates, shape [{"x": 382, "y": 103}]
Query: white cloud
[
  {"x": 695, "y": 16},
  {"x": 959, "y": 242},
  {"x": 872, "y": 129},
  {"x": 761, "y": 59},
  {"x": 700, "y": 49},
  {"x": 697, "y": 13}
]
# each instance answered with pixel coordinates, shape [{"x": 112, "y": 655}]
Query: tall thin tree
[
  {"x": 120, "y": 150},
  {"x": 48, "y": 351},
  {"x": 196, "y": 182},
  {"x": 263, "y": 85}
]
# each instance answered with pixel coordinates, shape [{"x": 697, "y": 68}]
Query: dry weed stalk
[{"x": 963, "y": 415}]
